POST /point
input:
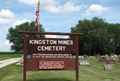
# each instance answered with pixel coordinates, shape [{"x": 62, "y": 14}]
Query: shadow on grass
[{"x": 50, "y": 79}]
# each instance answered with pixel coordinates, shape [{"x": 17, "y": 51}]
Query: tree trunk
[
  {"x": 115, "y": 49},
  {"x": 94, "y": 51},
  {"x": 90, "y": 53}
]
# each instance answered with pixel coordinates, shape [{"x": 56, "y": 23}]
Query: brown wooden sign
[{"x": 50, "y": 46}]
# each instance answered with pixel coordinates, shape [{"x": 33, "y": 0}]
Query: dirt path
[{"x": 8, "y": 61}]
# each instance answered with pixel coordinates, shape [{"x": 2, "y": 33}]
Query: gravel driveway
[{"x": 8, "y": 61}]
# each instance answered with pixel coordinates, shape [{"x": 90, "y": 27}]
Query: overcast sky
[{"x": 55, "y": 15}]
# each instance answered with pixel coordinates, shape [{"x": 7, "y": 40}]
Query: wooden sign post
[{"x": 51, "y": 46}]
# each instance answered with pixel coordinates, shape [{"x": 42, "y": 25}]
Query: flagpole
[{"x": 39, "y": 20}]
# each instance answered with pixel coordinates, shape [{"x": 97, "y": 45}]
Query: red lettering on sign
[{"x": 51, "y": 64}]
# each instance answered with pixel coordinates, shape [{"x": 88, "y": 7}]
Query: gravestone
[
  {"x": 106, "y": 56},
  {"x": 111, "y": 62},
  {"x": 21, "y": 61},
  {"x": 80, "y": 57},
  {"x": 102, "y": 60},
  {"x": 85, "y": 56},
  {"x": 119, "y": 60},
  {"x": 84, "y": 63},
  {"x": 98, "y": 55},
  {"x": 74, "y": 56},
  {"x": 91, "y": 57},
  {"x": 108, "y": 67}
]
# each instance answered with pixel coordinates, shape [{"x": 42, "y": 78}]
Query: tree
[
  {"x": 95, "y": 35},
  {"x": 113, "y": 31},
  {"x": 99, "y": 34},
  {"x": 17, "y": 39}
]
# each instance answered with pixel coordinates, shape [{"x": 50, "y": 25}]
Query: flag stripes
[{"x": 37, "y": 15}]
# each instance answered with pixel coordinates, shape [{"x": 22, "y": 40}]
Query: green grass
[
  {"x": 94, "y": 72},
  {"x": 8, "y": 56}
]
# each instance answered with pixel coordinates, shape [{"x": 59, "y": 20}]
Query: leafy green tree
[
  {"x": 99, "y": 35},
  {"x": 113, "y": 31},
  {"x": 17, "y": 39},
  {"x": 95, "y": 35}
]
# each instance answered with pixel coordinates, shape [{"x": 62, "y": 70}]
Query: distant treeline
[
  {"x": 99, "y": 36},
  {"x": 9, "y": 53}
]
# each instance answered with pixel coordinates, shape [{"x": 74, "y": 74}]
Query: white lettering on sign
[
  {"x": 50, "y": 44},
  {"x": 47, "y": 41},
  {"x": 51, "y": 48},
  {"x": 65, "y": 42},
  {"x": 51, "y": 64},
  {"x": 53, "y": 42},
  {"x": 36, "y": 41},
  {"x": 51, "y": 55}
]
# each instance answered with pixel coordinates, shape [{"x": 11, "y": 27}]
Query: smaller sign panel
[
  {"x": 51, "y": 64},
  {"x": 108, "y": 67}
]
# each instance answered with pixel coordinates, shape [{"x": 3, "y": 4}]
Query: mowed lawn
[
  {"x": 94, "y": 72},
  {"x": 9, "y": 56}
]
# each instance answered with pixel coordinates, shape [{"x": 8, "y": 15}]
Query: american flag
[{"x": 37, "y": 15}]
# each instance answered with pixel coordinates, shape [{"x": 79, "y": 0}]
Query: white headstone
[
  {"x": 84, "y": 63},
  {"x": 21, "y": 61},
  {"x": 108, "y": 67}
]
